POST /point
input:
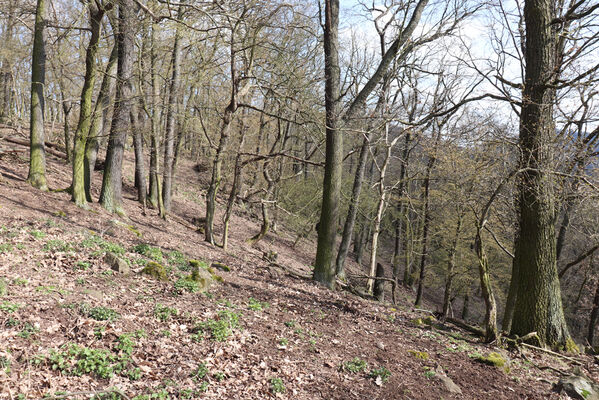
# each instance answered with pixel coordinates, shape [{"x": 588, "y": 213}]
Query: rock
[
  {"x": 117, "y": 264},
  {"x": 155, "y": 270},
  {"x": 203, "y": 278},
  {"x": 578, "y": 387},
  {"x": 95, "y": 294},
  {"x": 446, "y": 381},
  {"x": 220, "y": 266}
]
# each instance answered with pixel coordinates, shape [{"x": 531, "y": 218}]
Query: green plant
[
  {"x": 82, "y": 265},
  {"x": 283, "y": 342},
  {"x": 10, "y": 322},
  {"x": 176, "y": 258},
  {"x": 277, "y": 385},
  {"x": 9, "y": 307},
  {"x": 290, "y": 324},
  {"x": 219, "y": 376},
  {"x": 5, "y": 248},
  {"x": 256, "y": 305},
  {"x": 354, "y": 366},
  {"x": 200, "y": 372},
  {"x": 99, "y": 332},
  {"x": 57, "y": 245},
  {"x": 429, "y": 373},
  {"x": 183, "y": 285},
  {"x": 20, "y": 282},
  {"x": 38, "y": 234},
  {"x": 28, "y": 330},
  {"x": 380, "y": 375},
  {"x": 146, "y": 250},
  {"x": 98, "y": 313},
  {"x": 221, "y": 327},
  {"x": 80, "y": 281},
  {"x": 164, "y": 313}
]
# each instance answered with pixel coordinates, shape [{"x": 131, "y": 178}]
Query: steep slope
[{"x": 70, "y": 324}]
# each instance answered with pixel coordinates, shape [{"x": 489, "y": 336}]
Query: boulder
[
  {"x": 578, "y": 387},
  {"x": 446, "y": 381},
  {"x": 117, "y": 264},
  {"x": 155, "y": 270}
]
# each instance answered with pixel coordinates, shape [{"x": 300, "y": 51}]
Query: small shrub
[
  {"x": 57, "y": 245},
  {"x": 38, "y": 234},
  {"x": 5, "y": 248},
  {"x": 177, "y": 259},
  {"x": 164, "y": 313},
  {"x": 277, "y": 386},
  {"x": 221, "y": 327},
  {"x": 183, "y": 285},
  {"x": 28, "y": 330},
  {"x": 380, "y": 375},
  {"x": 200, "y": 372},
  {"x": 354, "y": 366},
  {"x": 151, "y": 252},
  {"x": 9, "y": 307},
  {"x": 256, "y": 305},
  {"x": 98, "y": 313}
]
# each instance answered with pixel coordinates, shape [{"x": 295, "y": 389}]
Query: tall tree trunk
[
  {"x": 111, "y": 196},
  {"x": 451, "y": 264},
  {"x": 96, "y": 131},
  {"x": 594, "y": 316},
  {"x": 399, "y": 223},
  {"x": 85, "y": 110},
  {"x": 155, "y": 121},
  {"x": 67, "y": 106},
  {"x": 425, "y": 226},
  {"x": 169, "y": 138},
  {"x": 37, "y": 155},
  {"x": 140, "y": 168},
  {"x": 324, "y": 269},
  {"x": 539, "y": 303}
]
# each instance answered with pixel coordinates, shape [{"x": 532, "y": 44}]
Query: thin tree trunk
[
  {"x": 155, "y": 121},
  {"x": 140, "y": 169},
  {"x": 425, "y": 227},
  {"x": 169, "y": 139},
  {"x": 594, "y": 316},
  {"x": 85, "y": 110},
  {"x": 37, "y": 156},
  {"x": 67, "y": 106},
  {"x": 111, "y": 196},
  {"x": 451, "y": 266},
  {"x": 96, "y": 130}
]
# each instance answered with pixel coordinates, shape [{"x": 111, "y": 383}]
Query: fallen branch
[
  {"x": 47, "y": 149},
  {"x": 461, "y": 324},
  {"x": 553, "y": 353}
]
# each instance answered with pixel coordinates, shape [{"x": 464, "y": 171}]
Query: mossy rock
[
  {"x": 134, "y": 230},
  {"x": 418, "y": 322},
  {"x": 155, "y": 270},
  {"x": 429, "y": 320},
  {"x": 202, "y": 277},
  {"x": 421, "y": 355},
  {"x": 220, "y": 266},
  {"x": 494, "y": 359},
  {"x": 198, "y": 264}
]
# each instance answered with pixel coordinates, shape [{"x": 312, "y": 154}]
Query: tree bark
[
  {"x": 594, "y": 316},
  {"x": 99, "y": 119},
  {"x": 169, "y": 138},
  {"x": 539, "y": 303},
  {"x": 140, "y": 168},
  {"x": 85, "y": 109},
  {"x": 37, "y": 156},
  {"x": 451, "y": 264},
  {"x": 111, "y": 196},
  {"x": 324, "y": 268}
]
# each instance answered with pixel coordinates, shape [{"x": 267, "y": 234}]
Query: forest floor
[{"x": 72, "y": 328}]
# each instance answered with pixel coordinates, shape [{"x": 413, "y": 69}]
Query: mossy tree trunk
[
  {"x": 96, "y": 131},
  {"x": 37, "y": 155},
  {"x": 78, "y": 195},
  {"x": 539, "y": 303},
  {"x": 111, "y": 196}
]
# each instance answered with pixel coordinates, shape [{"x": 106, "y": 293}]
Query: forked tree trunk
[
  {"x": 37, "y": 156},
  {"x": 85, "y": 110}
]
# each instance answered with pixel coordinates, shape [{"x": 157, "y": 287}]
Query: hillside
[{"x": 72, "y": 328}]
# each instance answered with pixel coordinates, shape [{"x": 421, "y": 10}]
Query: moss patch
[
  {"x": 572, "y": 347},
  {"x": 494, "y": 359},
  {"x": 421, "y": 355},
  {"x": 155, "y": 270}
]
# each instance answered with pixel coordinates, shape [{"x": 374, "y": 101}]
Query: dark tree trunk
[
  {"x": 539, "y": 303},
  {"x": 594, "y": 316},
  {"x": 379, "y": 285},
  {"x": 140, "y": 168},
  {"x": 111, "y": 196},
  {"x": 451, "y": 265}
]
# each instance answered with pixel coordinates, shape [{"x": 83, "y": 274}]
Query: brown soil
[{"x": 303, "y": 334}]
